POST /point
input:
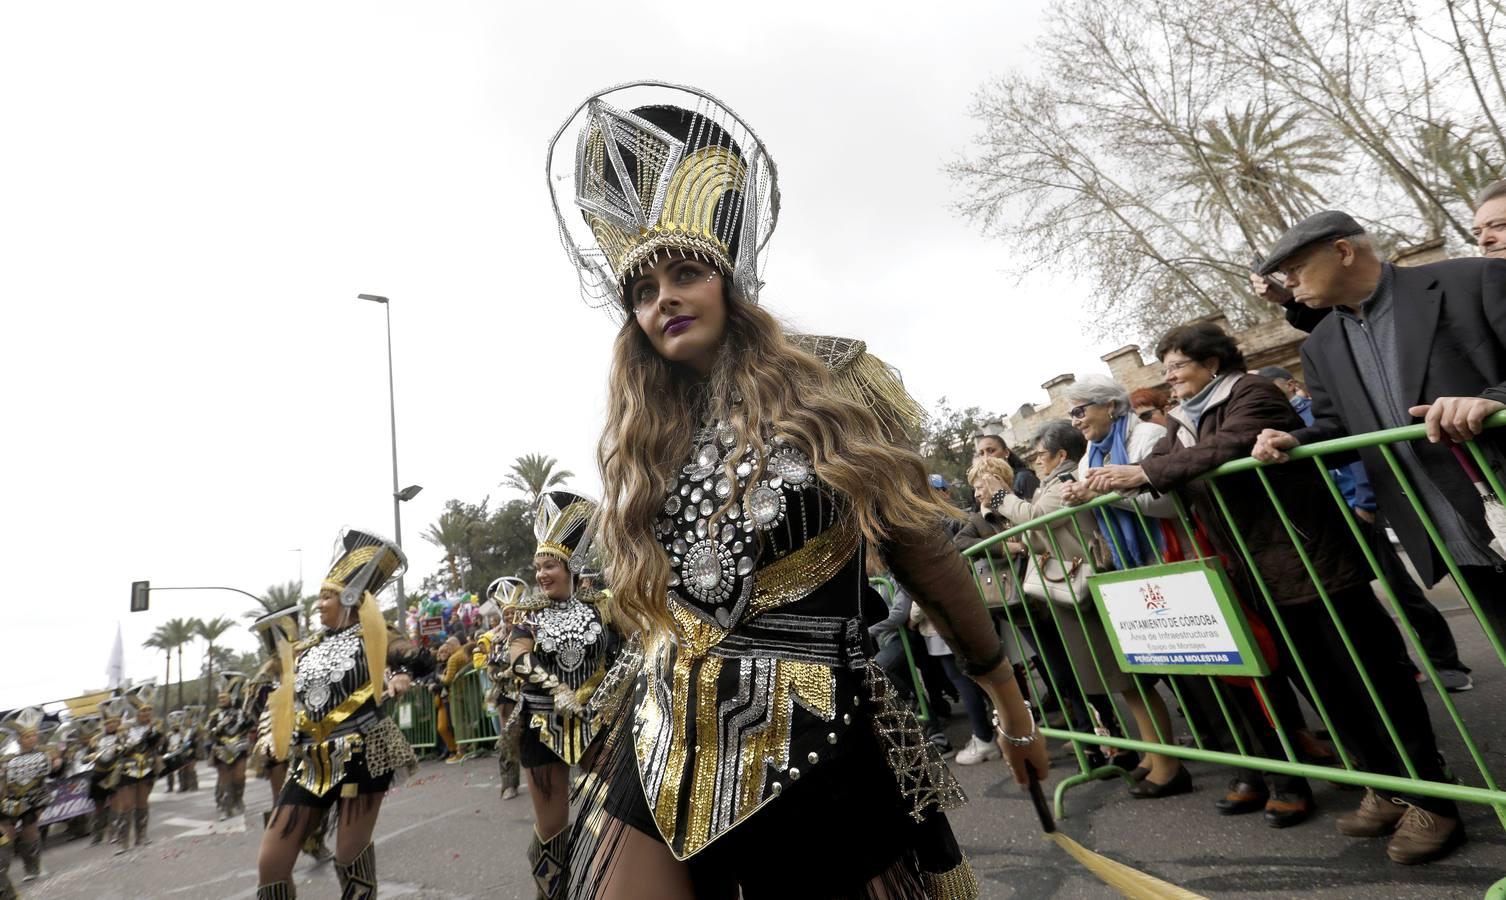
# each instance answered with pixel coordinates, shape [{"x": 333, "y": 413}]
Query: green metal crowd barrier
[
  {"x": 1475, "y": 782},
  {"x": 471, "y": 721},
  {"x": 414, "y": 713}
]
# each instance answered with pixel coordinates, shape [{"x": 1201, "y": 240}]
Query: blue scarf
[{"x": 1121, "y": 526}]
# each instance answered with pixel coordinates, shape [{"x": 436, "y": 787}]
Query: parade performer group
[
  {"x": 558, "y": 651},
  {"x": 490, "y": 654},
  {"x": 229, "y": 732},
  {"x": 138, "y": 751},
  {"x": 343, "y": 749},
  {"x": 24, "y": 795},
  {"x": 278, "y": 632},
  {"x": 748, "y": 742}
]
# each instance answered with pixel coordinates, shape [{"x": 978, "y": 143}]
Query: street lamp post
[{"x": 398, "y": 496}]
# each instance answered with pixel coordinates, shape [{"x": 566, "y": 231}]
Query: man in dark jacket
[
  {"x": 1401, "y": 344},
  {"x": 1423, "y": 342}
]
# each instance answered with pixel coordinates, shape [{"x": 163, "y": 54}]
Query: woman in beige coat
[{"x": 1058, "y": 447}]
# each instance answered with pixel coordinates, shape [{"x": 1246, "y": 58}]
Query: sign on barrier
[{"x": 1177, "y": 619}]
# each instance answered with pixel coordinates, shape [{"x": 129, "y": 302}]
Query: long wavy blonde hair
[{"x": 654, "y": 408}]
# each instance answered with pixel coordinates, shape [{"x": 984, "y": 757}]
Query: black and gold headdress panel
[
  {"x": 278, "y": 632},
  {"x": 660, "y": 168},
  {"x": 564, "y": 526},
  {"x": 364, "y": 564}
]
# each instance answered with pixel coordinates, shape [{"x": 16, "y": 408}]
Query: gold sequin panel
[{"x": 717, "y": 737}]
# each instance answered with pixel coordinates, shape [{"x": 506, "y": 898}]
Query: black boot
[
  {"x": 7, "y": 850},
  {"x": 549, "y": 861},
  {"x": 238, "y": 798},
  {"x": 281, "y": 890},
  {"x": 141, "y": 820},
  {"x": 358, "y": 878},
  {"x": 98, "y": 822},
  {"x": 31, "y": 858},
  {"x": 121, "y": 826}
]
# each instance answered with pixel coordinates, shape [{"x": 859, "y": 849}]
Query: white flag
[{"x": 115, "y": 668}]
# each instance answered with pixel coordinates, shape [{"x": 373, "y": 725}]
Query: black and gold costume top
[
  {"x": 230, "y": 731},
  {"x": 338, "y": 715},
  {"x": 140, "y": 747},
  {"x": 23, "y": 783},
  {"x": 763, "y": 677},
  {"x": 572, "y": 647}
]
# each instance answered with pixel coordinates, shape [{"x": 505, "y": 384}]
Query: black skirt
[{"x": 827, "y": 835}]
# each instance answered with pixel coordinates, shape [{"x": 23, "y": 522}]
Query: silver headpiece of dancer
[{"x": 660, "y": 167}]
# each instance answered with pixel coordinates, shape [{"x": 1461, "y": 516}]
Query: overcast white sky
[{"x": 192, "y": 195}]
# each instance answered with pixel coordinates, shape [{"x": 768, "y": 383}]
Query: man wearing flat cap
[{"x": 1404, "y": 344}]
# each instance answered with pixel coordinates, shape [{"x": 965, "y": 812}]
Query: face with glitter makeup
[{"x": 680, "y": 303}]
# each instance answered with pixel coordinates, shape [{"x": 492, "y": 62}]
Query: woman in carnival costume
[
  {"x": 490, "y": 654},
  {"x": 138, "y": 761},
  {"x": 344, "y": 749},
  {"x": 747, "y": 472},
  {"x": 229, "y": 731},
  {"x": 558, "y": 651},
  {"x": 24, "y": 794},
  {"x": 104, "y": 757},
  {"x": 268, "y": 705}
]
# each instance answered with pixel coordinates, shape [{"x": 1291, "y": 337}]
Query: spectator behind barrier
[
  {"x": 1489, "y": 227},
  {"x": 1101, "y": 413},
  {"x": 1059, "y": 447},
  {"x": 1223, "y": 408},
  {"x": 1150, "y": 405},
  {"x": 989, "y": 441}
]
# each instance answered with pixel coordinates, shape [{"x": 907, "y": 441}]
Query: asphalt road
[{"x": 446, "y": 835}]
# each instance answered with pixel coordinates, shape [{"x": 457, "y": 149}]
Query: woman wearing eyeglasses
[{"x": 1150, "y": 405}]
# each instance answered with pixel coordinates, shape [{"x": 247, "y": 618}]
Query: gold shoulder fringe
[{"x": 866, "y": 379}]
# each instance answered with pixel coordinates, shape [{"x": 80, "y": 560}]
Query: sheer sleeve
[{"x": 937, "y": 577}]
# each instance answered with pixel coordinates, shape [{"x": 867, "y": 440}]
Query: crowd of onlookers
[{"x": 1387, "y": 346}]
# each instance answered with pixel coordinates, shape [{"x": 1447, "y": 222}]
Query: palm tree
[
  {"x": 276, "y": 597},
  {"x": 534, "y": 474},
  {"x": 210, "y": 631},
  {"x": 306, "y": 608},
  {"x": 450, "y": 534},
  {"x": 180, "y": 632},
  {"x": 162, "y": 640}
]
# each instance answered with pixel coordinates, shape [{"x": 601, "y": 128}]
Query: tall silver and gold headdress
[
  {"x": 564, "y": 525},
  {"x": 660, "y": 167}
]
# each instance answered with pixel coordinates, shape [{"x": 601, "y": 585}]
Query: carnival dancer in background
[
  {"x": 193, "y": 736},
  {"x": 140, "y": 756},
  {"x": 278, "y": 633},
  {"x": 746, "y": 473},
  {"x": 559, "y": 651},
  {"x": 491, "y": 654},
  {"x": 104, "y": 757},
  {"x": 229, "y": 733},
  {"x": 24, "y": 794},
  {"x": 344, "y": 747}
]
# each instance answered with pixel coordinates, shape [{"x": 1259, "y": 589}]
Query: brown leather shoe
[
  {"x": 1243, "y": 797},
  {"x": 1375, "y": 817},
  {"x": 1423, "y": 836},
  {"x": 1286, "y": 810}
]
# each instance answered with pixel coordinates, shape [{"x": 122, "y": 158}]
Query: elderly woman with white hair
[{"x": 1101, "y": 411}]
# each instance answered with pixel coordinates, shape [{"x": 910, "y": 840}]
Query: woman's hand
[
  {"x": 1024, "y": 760},
  {"x": 1016, "y": 546},
  {"x": 1077, "y": 493},
  {"x": 1116, "y": 478},
  {"x": 1014, "y": 719},
  {"x": 398, "y": 684}
]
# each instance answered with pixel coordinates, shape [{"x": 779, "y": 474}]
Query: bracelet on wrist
[
  {"x": 998, "y": 497},
  {"x": 1025, "y": 741}
]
